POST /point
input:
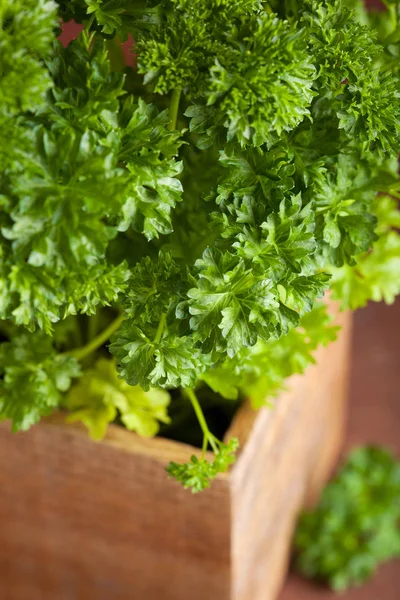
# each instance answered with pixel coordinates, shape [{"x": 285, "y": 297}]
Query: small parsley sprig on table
[
  {"x": 187, "y": 214},
  {"x": 356, "y": 525}
]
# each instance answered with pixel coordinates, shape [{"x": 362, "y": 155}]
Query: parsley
[
  {"x": 356, "y": 524},
  {"x": 99, "y": 396},
  {"x": 33, "y": 378},
  {"x": 198, "y": 473},
  {"x": 186, "y": 216}
]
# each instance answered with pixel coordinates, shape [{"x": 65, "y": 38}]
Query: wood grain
[
  {"x": 81, "y": 520},
  {"x": 287, "y": 458}
]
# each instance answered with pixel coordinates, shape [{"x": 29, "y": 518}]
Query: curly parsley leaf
[
  {"x": 21, "y": 49},
  {"x": 260, "y": 372},
  {"x": 344, "y": 214},
  {"x": 158, "y": 287},
  {"x": 362, "y": 95},
  {"x": 376, "y": 274},
  {"x": 34, "y": 378},
  {"x": 151, "y": 348},
  {"x": 275, "y": 242},
  {"x": 229, "y": 305},
  {"x": 198, "y": 474},
  {"x": 99, "y": 396},
  {"x": 145, "y": 360}
]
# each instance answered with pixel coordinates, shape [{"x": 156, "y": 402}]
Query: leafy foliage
[
  {"x": 260, "y": 372},
  {"x": 34, "y": 377},
  {"x": 363, "y": 104},
  {"x": 146, "y": 360},
  {"x": 22, "y": 47},
  {"x": 94, "y": 168},
  {"x": 356, "y": 525},
  {"x": 228, "y": 303},
  {"x": 376, "y": 275},
  {"x": 256, "y": 99},
  {"x": 149, "y": 347},
  {"x": 198, "y": 473},
  {"x": 21, "y": 50},
  {"x": 99, "y": 396},
  {"x": 208, "y": 198}
]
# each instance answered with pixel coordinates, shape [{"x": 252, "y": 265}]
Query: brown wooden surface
[
  {"x": 285, "y": 462},
  {"x": 374, "y": 417},
  {"x": 98, "y": 521},
  {"x": 86, "y": 521}
]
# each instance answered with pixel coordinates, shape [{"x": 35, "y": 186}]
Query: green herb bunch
[
  {"x": 356, "y": 526},
  {"x": 188, "y": 213}
]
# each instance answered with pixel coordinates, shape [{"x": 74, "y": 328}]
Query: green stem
[
  {"x": 89, "y": 22},
  {"x": 116, "y": 55},
  {"x": 173, "y": 109},
  {"x": 160, "y": 329},
  {"x": 209, "y": 438},
  {"x": 291, "y": 6},
  {"x": 93, "y": 325},
  {"x": 214, "y": 446},
  {"x": 98, "y": 341},
  {"x": 197, "y": 409},
  {"x": 204, "y": 448}
]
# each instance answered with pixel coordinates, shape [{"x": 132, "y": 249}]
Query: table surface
[{"x": 374, "y": 417}]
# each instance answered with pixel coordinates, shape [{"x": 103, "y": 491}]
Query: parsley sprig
[
  {"x": 355, "y": 527},
  {"x": 198, "y": 473}
]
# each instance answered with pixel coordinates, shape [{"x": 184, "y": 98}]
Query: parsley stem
[
  {"x": 116, "y": 54},
  {"x": 197, "y": 409},
  {"x": 160, "y": 329},
  {"x": 90, "y": 22},
  {"x": 98, "y": 341},
  {"x": 213, "y": 444},
  {"x": 204, "y": 448},
  {"x": 209, "y": 438},
  {"x": 293, "y": 7},
  {"x": 173, "y": 109}
]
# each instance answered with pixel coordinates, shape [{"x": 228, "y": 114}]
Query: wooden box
[{"x": 81, "y": 520}]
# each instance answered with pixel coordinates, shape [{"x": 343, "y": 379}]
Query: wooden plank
[
  {"x": 285, "y": 462},
  {"x": 162, "y": 450},
  {"x": 83, "y": 521}
]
